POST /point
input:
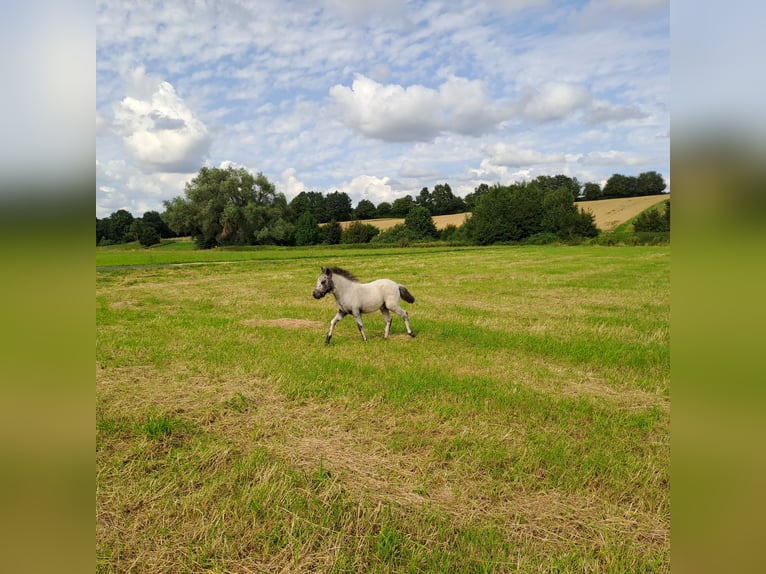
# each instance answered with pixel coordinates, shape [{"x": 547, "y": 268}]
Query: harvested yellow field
[{"x": 608, "y": 213}]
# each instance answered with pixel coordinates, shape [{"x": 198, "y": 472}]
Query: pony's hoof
[{"x": 412, "y": 334}]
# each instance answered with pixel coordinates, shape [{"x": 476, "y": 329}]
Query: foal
[{"x": 356, "y": 298}]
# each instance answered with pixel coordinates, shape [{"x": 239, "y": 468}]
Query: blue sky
[{"x": 377, "y": 98}]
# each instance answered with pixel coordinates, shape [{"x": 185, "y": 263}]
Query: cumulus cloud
[
  {"x": 161, "y": 133},
  {"x": 552, "y": 101},
  {"x": 289, "y": 184},
  {"x": 416, "y": 113},
  {"x": 557, "y": 100},
  {"x": 611, "y": 157},
  {"x": 370, "y": 187},
  {"x": 510, "y": 155}
]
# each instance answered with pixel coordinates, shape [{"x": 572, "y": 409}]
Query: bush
[
  {"x": 358, "y": 232},
  {"x": 396, "y": 234},
  {"x": 654, "y": 219},
  {"x": 420, "y": 223},
  {"x": 544, "y": 238}
]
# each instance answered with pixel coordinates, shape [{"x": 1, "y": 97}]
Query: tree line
[{"x": 231, "y": 206}]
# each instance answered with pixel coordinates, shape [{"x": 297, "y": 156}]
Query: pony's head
[{"x": 324, "y": 283}]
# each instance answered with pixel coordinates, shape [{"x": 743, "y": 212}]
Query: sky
[{"x": 377, "y": 98}]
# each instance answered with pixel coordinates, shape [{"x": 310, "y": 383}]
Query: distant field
[
  {"x": 608, "y": 213},
  {"x": 524, "y": 429}
]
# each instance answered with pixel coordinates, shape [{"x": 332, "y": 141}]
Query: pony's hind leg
[
  {"x": 338, "y": 316},
  {"x": 403, "y": 314},
  {"x": 387, "y": 317}
]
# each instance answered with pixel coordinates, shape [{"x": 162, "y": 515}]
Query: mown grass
[{"x": 525, "y": 429}]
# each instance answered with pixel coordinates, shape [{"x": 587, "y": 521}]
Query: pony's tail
[{"x": 406, "y": 295}]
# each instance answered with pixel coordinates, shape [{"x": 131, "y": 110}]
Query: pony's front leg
[
  {"x": 338, "y": 316},
  {"x": 358, "y": 317}
]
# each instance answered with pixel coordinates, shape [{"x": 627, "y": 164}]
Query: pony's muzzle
[{"x": 318, "y": 294}]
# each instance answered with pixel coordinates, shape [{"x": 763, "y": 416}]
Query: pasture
[{"x": 524, "y": 429}]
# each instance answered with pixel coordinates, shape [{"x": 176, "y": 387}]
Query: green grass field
[{"x": 525, "y": 429}]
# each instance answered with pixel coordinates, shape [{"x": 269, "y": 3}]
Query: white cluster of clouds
[
  {"x": 162, "y": 134},
  {"x": 377, "y": 98},
  {"x": 416, "y": 113}
]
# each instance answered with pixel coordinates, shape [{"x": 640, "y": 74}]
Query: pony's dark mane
[{"x": 343, "y": 273}]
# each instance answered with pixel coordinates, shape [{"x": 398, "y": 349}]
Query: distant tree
[
  {"x": 473, "y": 198},
  {"x": 306, "y": 230},
  {"x": 548, "y": 183},
  {"x": 338, "y": 206},
  {"x": 592, "y": 192},
  {"x": 358, "y": 232},
  {"x": 620, "y": 186},
  {"x": 103, "y": 232},
  {"x": 420, "y": 223},
  {"x": 559, "y": 213},
  {"x": 311, "y": 201},
  {"x": 445, "y": 202},
  {"x": 401, "y": 206},
  {"x": 506, "y": 213},
  {"x": 144, "y": 233},
  {"x": 650, "y": 183},
  {"x": 119, "y": 226},
  {"x": 365, "y": 209},
  {"x": 425, "y": 199},
  {"x": 384, "y": 209},
  {"x": 154, "y": 220},
  {"x": 333, "y": 232}
]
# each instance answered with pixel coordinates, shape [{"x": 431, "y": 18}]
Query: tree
[
  {"x": 420, "y": 223},
  {"x": 585, "y": 224},
  {"x": 507, "y": 213},
  {"x": 103, "y": 232},
  {"x": 425, "y": 199},
  {"x": 154, "y": 219},
  {"x": 228, "y": 206},
  {"x": 384, "y": 209},
  {"x": 650, "y": 183},
  {"x": 311, "y": 201},
  {"x": 338, "y": 206},
  {"x": 333, "y": 232},
  {"x": 559, "y": 213},
  {"x": 119, "y": 226},
  {"x": 401, "y": 206},
  {"x": 620, "y": 186},
  {"x": 306, "y": 230},
  {"x": 445, "y": 202},
  {"x": 592, "y": 192},
  {"x": 365, "y": 209},
  {"x": 548, "y": 183},
  {"x": 473, "y": 198},
  {"x": 145, "y": 233}
]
